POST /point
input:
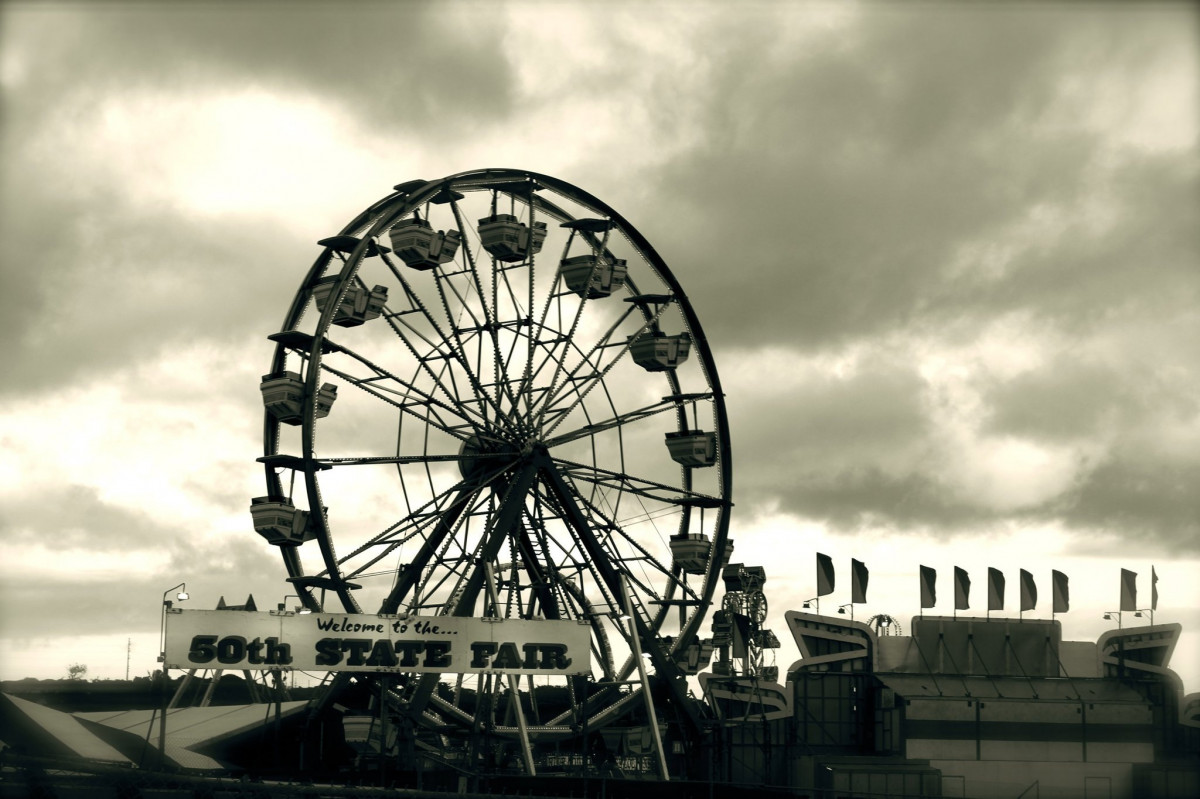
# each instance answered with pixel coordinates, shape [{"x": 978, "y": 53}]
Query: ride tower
[{"x": 491, "y": 398}]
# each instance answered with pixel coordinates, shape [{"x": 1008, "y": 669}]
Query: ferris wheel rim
[{"x": 371, "y": 224}]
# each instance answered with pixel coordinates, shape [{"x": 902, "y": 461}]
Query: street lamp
[
  {"x": 301, "y": 609},
  {"x": 808, "y": 603},
  {"x": 842, "y": 609},
  {"x": 162, "y": 675},
  {"x": 162, "y": 624},
  {"x": 1108, "y": 616}
]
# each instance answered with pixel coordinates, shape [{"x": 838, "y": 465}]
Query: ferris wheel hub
[{"x": 482, "y": 457}]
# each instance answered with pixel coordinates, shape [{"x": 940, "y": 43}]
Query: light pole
[
  {"x": 162, "y": 674},
  {"x": 1120, "y": 642},
  {"x": 301, "y": 608}
]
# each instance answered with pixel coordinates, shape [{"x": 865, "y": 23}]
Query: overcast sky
[{"x": 947, "y": 256}]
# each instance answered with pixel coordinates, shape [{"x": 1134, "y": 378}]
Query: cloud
[
  {"x": 912, "y": 174},
  {"x": 400, "y": 66},
  {"x": 92, "y": 566},
  {"x": 947, "y": 260}
]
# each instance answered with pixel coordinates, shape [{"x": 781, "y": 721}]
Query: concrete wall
[{"x": 1000, "y": 778}]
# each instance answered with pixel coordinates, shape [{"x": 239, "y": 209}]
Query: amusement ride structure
[
  {"x": 492, "y": 411},
  {"x": 491, "y": 398}
]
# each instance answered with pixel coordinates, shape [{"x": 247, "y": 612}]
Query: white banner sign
[{"x": 240, "y": 639}]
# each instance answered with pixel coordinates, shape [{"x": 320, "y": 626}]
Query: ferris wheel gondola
[{"x": 491, "y": 397}]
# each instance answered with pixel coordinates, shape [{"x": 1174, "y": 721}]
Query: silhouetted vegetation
[{"x": 79, "y": 695}]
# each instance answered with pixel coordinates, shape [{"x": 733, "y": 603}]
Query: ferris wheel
[{"x": 490, "y": 397}]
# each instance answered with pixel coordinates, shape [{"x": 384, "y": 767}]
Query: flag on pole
[
  {"x": 1153, "y": 589},
  {"x": 1128, "y": 590},
  {"x": 824, "y": 574},
  {"x": 928, "y": 587},
  {"x": 858, "y": 581},
  {"x": 995, "y": 589},
  {"x": 1028, "y": 592},
  {"x": 1062, "y": 595},
  {"x": 962, "y": 589}
]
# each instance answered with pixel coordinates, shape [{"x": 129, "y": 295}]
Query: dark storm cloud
[
  {"x": 75, "y": 517},
  {"x": 93, "y": 279},
  {"x": 1068, "y": 399},
  {"x": 74, "y": 521},
  {"x": 398, "y": 65},
  {"x": 852, "y": 451},
  {"x": 832, "y": 193},
  {"x": 1084, "y": 277},
  {"x": 73, "y": 603},
  {"x": 853, "y": 191},
  {"x": 1146, "y": 499},
  {"x": 104, "y": 286}
]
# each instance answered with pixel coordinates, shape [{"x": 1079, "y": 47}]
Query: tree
[{"x": 76, "y": 672}]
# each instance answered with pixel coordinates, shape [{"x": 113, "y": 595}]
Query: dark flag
[
  {"x": 1128, "y": 590},
  {"x": 928, "y": 587},
  {"x": 1028, "y": 591},
  {"x": 962, "y": 589},
  {"x": 824, "y": 574},
  {"x": 1153, "y": 589},
  {"x": 995, "y": 589},
  {"x": 741, "y": 634},
  {"x": 858, "y": 581},
  {"x": 1062, "y": 595}
]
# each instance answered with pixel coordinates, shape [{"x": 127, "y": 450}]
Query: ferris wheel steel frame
[{"x": 522, "y": 488}]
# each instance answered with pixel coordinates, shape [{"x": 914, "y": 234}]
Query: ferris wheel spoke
[
  {"x": 398, "y": 326},
  {"x": 490, "y": 324},
  {"x": 580, "y": 386},
  {"x": 599, "y": 369},
  {"x": 620, "y": 420},
  {"x": 672, "y": 495},
  {"x": 576, "y": 554},
  {"x": 375, "y": 460},
  {"x": 493, "y": 319},
  {"x": 495, "y": 534},
  {"x": 441, "y": 280},
  {"x": 563, "y": 591},
  {"x": 411, "y": 526},
  {"x": 554, "y": 297},
  {"x": 540, "y": 578},
  {"x": 564, "y": 496},
  {"x": 641, "y": 554},
  {"x": 436, "y": 351},
  {"x": 406, "y": 404},
  {"x": 521, "y": 319},
  {"x": 670, "y": 583},
  {"x": 447, "y": 523}
]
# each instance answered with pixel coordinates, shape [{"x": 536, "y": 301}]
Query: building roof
[
  {"x": 190, "y": 729},
  {"x": 58, "y": 730}
]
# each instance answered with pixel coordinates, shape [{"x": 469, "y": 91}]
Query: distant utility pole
[{"x": 128, "y": 651}]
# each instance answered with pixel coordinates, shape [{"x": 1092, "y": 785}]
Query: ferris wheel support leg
[
  {"x": 651, "y": 716},
  {"x": 513, "y": 503},
  {"x": 526, "y": 749},
  {"x": 445, "y": 526},
  {"x": 667, "y": 671}
]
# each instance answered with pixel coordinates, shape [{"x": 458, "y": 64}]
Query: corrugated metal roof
[
  {"x": 191, "y": 728},
  {"x": 67, "y": 730}
]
